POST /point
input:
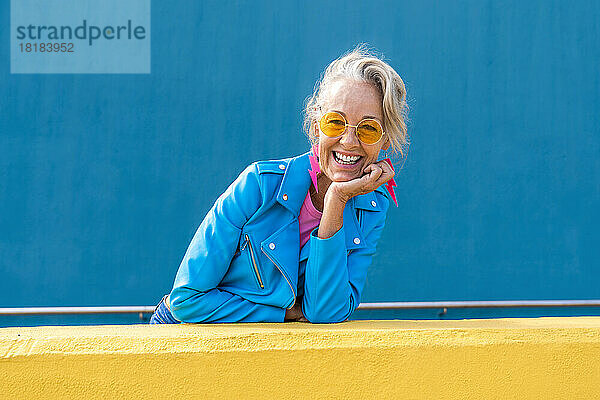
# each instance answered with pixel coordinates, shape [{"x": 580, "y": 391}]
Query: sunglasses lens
[
  {"x": 332, "y": 124},
  {"x": 369, "y": 131}
]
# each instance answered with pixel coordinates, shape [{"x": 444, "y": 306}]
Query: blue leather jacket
[{"x": 242, "y": 264}]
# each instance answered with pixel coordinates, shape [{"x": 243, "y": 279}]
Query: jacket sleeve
[
  {"x": 334, "y": 279},
  {"x": 195, "y": 296}
]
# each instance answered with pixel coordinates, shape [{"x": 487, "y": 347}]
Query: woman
[{"x": 292, "y": 239}]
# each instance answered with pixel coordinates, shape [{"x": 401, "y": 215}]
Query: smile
[{"x": 344, "y": 159}]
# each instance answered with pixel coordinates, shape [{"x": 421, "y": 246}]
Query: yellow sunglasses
[{"x": 368, "y": 130}]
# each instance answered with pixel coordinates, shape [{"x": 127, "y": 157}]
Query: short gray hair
[{"x": 362, "y": 65}]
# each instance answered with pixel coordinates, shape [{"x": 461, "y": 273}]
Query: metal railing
[
  {"x": 77, "y": 310},
  {"x": 444, "y": 305},
  {"x": 478, "y": 304}
]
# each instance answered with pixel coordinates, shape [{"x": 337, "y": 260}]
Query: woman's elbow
[{"x": 183, "y": 303}]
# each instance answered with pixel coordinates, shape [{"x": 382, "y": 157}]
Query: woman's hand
[
  {"x": 295, "y": 313},
  {"x": 376, "y": 174}
]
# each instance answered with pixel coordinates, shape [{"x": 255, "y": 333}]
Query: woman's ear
[{"x": 386, "y": 145}]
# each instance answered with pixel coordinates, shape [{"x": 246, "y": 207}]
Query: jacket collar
[{"x": 295, "y": 183}]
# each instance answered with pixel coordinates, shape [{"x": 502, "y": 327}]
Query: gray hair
[{"x": 362, "y": 65}]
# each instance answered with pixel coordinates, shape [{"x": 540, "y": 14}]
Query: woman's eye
[
  {"x": 368, "y": 127},
  {"x": 337, "y": 122}
]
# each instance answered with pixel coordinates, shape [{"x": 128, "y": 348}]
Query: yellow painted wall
[{"x": 541, "y": 358}]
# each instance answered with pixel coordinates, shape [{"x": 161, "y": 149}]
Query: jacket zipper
[
  {"x": 256, "y": 272},
  {"x": 286, "y": 279}
]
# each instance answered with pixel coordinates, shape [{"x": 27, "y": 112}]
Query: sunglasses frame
[{"x": 351, "y": 126}]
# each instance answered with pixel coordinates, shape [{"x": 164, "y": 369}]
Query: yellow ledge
[{"x": 539, "y": 358}]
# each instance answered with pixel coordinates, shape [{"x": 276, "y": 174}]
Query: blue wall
[{"x": 105, "y": 178}]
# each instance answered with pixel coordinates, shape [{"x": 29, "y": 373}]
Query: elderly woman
[{"x": 292, "y": 239}]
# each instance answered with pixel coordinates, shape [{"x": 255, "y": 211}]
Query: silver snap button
[
  {"x": 373, "y": 203},
  {"x": 272, "y": 246},
  {"x": 285, "y": 196},
  {"x": 356, "y": 241},
  {"x": 282, "y": 166}
]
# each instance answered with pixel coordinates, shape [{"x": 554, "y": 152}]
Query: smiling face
[{"x": 355, "y": 100}]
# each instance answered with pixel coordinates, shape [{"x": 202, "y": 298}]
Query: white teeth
[{"x": 343, "y": 159}]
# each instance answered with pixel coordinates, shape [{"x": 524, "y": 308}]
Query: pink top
[{"x": 309, "y": 219}]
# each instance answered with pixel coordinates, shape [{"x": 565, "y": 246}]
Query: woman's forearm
[{"x": 333, "y": 215}]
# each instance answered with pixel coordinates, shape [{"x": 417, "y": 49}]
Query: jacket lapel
[{"x": 295, "y": 184}]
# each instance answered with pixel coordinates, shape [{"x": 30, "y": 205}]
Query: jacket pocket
[{"x": 253, "y": 260}]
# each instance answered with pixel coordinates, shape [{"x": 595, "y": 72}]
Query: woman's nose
[{"x": 349, "y": 137}]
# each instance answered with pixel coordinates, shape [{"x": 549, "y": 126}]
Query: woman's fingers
[
  {"x": 375, "y": 172},
  {"x": 381, "y": 172},
  {"x": 387, "y": 173}
]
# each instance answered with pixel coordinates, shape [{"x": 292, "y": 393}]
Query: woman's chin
[
  {"x": 342, "y": 176},
  {"x": 344, "y": 173}
]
